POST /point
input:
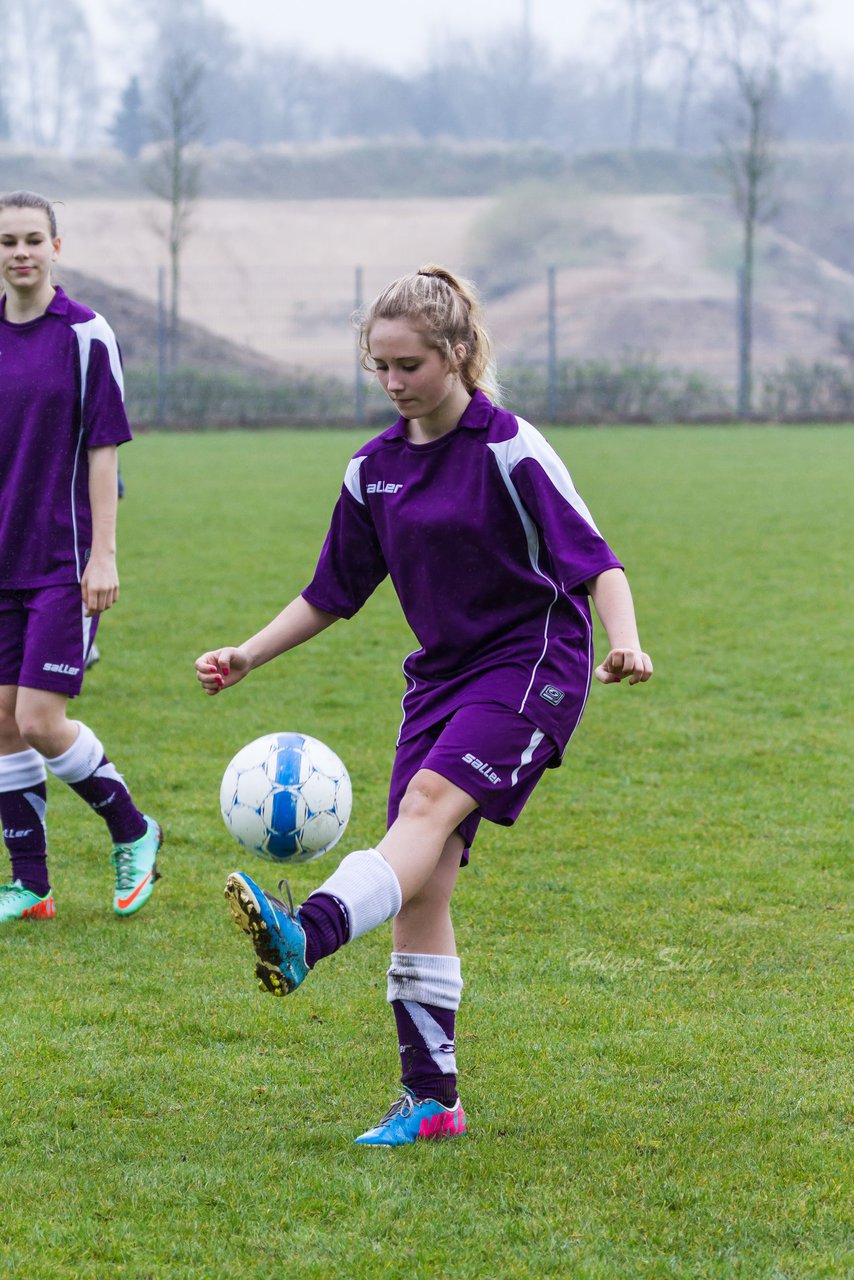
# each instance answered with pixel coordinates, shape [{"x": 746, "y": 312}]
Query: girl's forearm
[
  {"x": 103, "y": 498},
  {"x": 612, "y": 600},
  {"x": 299, "y": 621}
]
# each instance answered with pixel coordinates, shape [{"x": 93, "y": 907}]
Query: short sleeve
[
  {"x": 574, "y": 545},
  {"x": 351, "y": 564},
  {"x": 105, "y": 420}
]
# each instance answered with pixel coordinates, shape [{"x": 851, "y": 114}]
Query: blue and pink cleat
[
  {"x": 275, "y": 931},
  {"x": 412, "y": 1119}
]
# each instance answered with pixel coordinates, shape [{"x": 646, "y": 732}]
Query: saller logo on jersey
[
  {"x": 61, "y": 668},
  {"x": 380, "y": 486},
  {"x": 552, "y": 695},
  {"x": 486, "y": 769}
]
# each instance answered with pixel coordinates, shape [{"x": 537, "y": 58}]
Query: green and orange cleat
[
  {"x": 18, "y": 903},
  {"x": 136, "y": 871}
]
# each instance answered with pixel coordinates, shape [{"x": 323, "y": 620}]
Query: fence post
[
  {"x": 161, "y": 346},
  {"x": 359, "y": 385},
  {"x": 745, "y": 339},
  {"x": 551, "y": 401}
]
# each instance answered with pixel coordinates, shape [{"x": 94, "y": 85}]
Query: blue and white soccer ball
[{"x": 287, "y": 797}]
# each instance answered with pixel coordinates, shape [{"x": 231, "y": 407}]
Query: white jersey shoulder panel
[
  {"x": 353, "y": 479},
  {"x": 528, "y": 442},
  {"x": 97, "y": 330}
]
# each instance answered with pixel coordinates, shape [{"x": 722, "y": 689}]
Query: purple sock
[
  {"x": 106, "y": 793},
  {"x": 326, "y": 926},
  {"x": 25, "y": 835},
  {"x": 427, "y": 1059}
]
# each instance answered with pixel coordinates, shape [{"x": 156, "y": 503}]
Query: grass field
[{"x": 655, "y": 1033}]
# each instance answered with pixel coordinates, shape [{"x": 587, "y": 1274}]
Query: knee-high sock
[
  {"x": 23, "y": 812},
  {"x": 86, "y": 769},
  {"x": 362, "y": 893},
  {"x": 326, "y": 926},
  {"x": 424, "y": 993}
]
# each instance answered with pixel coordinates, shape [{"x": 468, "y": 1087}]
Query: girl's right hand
[{"x": 221, "y": 668}]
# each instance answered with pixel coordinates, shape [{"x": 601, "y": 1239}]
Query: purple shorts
[
  {"x": 489, "y": 751},
  {"x": 45, "y": 638}
]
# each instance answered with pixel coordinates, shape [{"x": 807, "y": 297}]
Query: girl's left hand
[
  {"x": 621, "y": 664},
  {"x": 99, "y": 585}
]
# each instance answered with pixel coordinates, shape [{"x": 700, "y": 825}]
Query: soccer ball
[{"x": 287, "y": 797}]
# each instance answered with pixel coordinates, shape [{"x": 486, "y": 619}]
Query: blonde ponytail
[{"x": 448, "y": 311}]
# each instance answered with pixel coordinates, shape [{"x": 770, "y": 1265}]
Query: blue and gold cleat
[
  {"x": 275, "y": 932},
  {"x": 412, "y": 1119}
]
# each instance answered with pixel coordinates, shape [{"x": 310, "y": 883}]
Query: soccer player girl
[
  {"x": 62, "y": 418},
  {"x": 494, "y": 558}
]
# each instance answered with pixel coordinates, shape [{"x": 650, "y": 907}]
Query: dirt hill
[
  {"x": 268, "y": 284},
  {"x": 134, "y": 320},
  {"x": 669, "y": 291},
  {"x": 275, "y": 277}
]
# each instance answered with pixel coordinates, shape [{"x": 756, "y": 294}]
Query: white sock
[
  {"x": 426, "y": 979},
  {"x": 21, "y": 770},
  {"x": 81, "y": 759},
  {"x": 367, "y": 888}
]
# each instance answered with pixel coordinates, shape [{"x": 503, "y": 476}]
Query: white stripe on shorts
[
  {"x": 87, "y": 631},
  {"x": 528, "y": 754}
]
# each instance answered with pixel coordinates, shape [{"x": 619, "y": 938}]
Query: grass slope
[{"x": 658, "y": 980}]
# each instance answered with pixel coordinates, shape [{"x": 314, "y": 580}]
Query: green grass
[{"x": 654, "y": 1029}]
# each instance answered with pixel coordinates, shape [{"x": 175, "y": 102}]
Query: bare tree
[
  {"x": 5, "y": 62},
  {"x": 750, "y": 165},
  {"x": 641, "y": 43},
  {"x": 48, "y": 72},
  {"x": 691, "y": 24},
  {"x": 756, "y": 36},
  {"x": 174, "y": 173}
]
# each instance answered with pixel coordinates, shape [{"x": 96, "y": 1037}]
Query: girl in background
[
  {"x": 494, "y": 558},
  {"x": 62, "y": 419}
]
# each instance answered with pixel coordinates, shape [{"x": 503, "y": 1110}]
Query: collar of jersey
[
  {"x": 477, "y": 416},
  {"x": 58, "y": 305}
]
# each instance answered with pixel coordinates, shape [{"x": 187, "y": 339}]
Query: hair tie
[{"x": 434, "y": 275}]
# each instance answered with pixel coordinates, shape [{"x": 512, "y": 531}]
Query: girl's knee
[
  {"x": 42, "y": 724},
  {"x": 426, "y": 794},
  {"x": 430, "y": 794},
  {"x": 32, "y": 732}
]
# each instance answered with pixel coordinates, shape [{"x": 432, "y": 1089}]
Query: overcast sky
[{"x": 400, "y": 33}]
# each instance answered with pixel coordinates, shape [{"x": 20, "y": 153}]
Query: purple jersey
[
  {"x": 488, "y": 546},
  {"x": 61, "y": 393}
]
